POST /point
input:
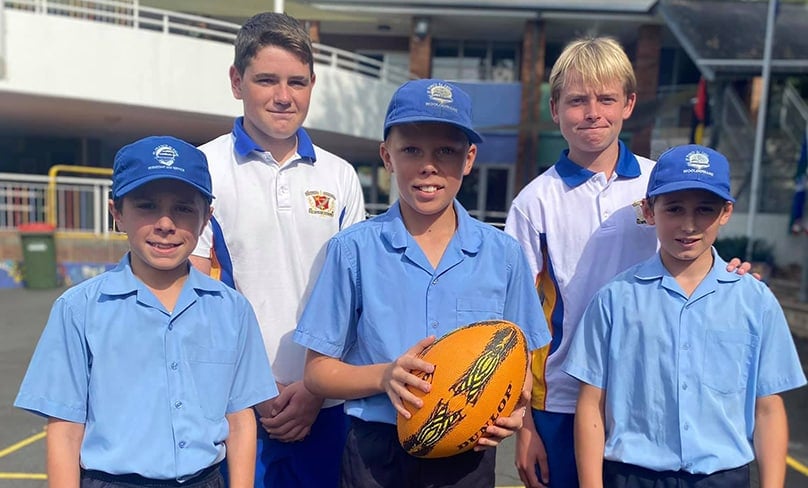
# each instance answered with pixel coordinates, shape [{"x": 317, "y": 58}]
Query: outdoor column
[
  {"x": 421, "y": 47},
  {"x": 532, "y": 75},
  {"x": 646, "y": 68}
]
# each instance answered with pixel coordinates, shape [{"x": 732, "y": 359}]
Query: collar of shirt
[
  {"x": 244, "y": 144},
  {"x": 653, "y": 269},
  {"x": 123, "y": 282},
  {"x": 574, "y": 175},
  {"x": 396, "y": 234}
]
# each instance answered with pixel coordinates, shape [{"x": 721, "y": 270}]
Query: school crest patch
[{"x": 321, "y": 203}]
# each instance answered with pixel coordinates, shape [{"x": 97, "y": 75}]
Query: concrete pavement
[{"x": 22, "y": 448}]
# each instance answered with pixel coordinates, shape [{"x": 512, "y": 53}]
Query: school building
[{"x": 80, "y": 78}]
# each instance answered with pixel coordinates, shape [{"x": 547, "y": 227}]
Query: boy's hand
[
  {"x": 288, "y": 416},
  {"x": 503, "y": 427},
  {"x": 530, "y": 452},
  {"x": 397, "y": 376},
  {"x": 741, "y": 268}
]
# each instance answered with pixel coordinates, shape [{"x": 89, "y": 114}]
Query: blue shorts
[
  {"x": 557, "y": 433},
  {"x": 314, "y": 461}
]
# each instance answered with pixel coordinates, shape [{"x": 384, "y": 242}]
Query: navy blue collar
[
  {"x": 574, "y": 175},
  {"x": 244, "y": 144}
]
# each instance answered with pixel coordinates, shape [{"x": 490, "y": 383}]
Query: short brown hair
[{"x": 272, "y": 29}]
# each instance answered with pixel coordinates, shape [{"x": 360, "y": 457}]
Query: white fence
[
  {"x": 131, "y": 14},
  {"x": 74, "y": 205}
]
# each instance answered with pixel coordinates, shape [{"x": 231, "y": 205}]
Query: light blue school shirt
[
  {"x": 151, "y": 387},
  {"x": 378, "y": 295},
  {"x": 681, "y": 375}
]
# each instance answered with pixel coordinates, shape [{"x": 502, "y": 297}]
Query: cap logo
[
  {"x": 698, "y": 162},
  {"x": 165, "y": 154},
  {"x": 440, "y": 96}
]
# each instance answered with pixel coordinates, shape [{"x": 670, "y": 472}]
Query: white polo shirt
[
  {"x": 578, "y": 230},
  {"x": 276, "y": 220}
]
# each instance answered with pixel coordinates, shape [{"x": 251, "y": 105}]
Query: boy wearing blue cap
[
  {"x": 147, "y": 373},
  {"x": 680, "y": 361},
  {"x": 448, "y": 270}
]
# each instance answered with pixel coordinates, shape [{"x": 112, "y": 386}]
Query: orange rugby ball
[{"x": 479, "y": 374}]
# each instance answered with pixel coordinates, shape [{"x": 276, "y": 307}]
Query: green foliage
[{"x": 735, "y": 247}]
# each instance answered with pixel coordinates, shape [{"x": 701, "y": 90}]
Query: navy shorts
[
  {"x": 374, "y": 459},
  {"x": 210, "y": 477},
  {"x": 557, "y": 433},
  {"x": 621, "y": 475}
]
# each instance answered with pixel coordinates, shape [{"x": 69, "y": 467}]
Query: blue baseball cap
[
  {"x": 430, "y": 100},
  {"x": 690, "y": 167},
  {"x": 159, "y": 157}
]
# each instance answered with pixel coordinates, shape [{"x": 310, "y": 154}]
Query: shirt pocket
[
  {"x": 727, "y": 360},
  {"x": 212, "y": 371},
  {"x": 470, "y": 310}
]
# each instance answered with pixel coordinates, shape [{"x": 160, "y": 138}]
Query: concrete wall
[{"x": 64, "y": 57}]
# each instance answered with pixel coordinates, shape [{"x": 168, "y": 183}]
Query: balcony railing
[{"x": 130, "y": 14}]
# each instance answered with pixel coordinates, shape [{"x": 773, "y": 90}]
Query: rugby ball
[{"x": 479, "y": 374}]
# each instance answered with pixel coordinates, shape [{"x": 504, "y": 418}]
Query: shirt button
[
  {"x": 181, "y": 444},
  {"x": 170, "y": 326},
  {"x": 435, "y": 281},
  {"x": 684, "y": 386},
  {"x": 686, "y": 346},
  {"x": 178, "y": 405},
  {"x": 174, "y": 365},
  {"x": 687, "y": 426},
  {"x": 435, "y": 324}
]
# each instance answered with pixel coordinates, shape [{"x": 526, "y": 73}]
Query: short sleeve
[
  {"x": 328, "y": 323},
  {"x": 57, "y": 380},
  {"x": 780, "y": 369},
  {"x": 253, "y": 381},
  {"x": 587, "y": 359},
  {"x": 522, "y": 305}
]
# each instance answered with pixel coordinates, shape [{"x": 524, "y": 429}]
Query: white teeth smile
[
  {"x": 428, "y": 189},
  {"x": 163, "y": 246}
]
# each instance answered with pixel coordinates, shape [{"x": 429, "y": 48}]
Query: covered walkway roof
[{"x": 725, "y": 37}]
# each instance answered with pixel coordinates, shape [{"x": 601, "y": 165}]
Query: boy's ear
[
  {"x": 471, "y": 155},
  {"x": 726, "y": 213},
  {"x": 206, "y": 220},
  {"x": 235, "y": 82},
  {"x": 631, "y": 100},
  {"x": 648, "y": 212},
  {"x": 116, "y": 216},
  {"x": 385, "y": 155},
  {"x": 554, "y": 110}
]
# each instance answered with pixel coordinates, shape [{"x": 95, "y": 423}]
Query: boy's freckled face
[
  {"x": 687, "y": 224},
  {"x": 591, "y": 118},
  {"x": 276, "y": 91},
  {"x": 162, "y": 220},
  {"x": 429, "y": 161}
]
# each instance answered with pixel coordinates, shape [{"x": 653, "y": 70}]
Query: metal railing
[
  {"x": 74, "y": 205},
  {"x": 131, "y": 14},
  {"x": 793, "y": 114}
]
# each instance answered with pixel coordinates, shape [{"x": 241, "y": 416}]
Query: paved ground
[{"x": 24, "y": 312}]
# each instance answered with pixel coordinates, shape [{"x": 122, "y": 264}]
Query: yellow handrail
[{"x": 50, "y": 207}]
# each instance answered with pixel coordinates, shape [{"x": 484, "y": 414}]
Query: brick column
[
  {"x": 420, "y": 49},
  {"x": 532, "y": 76},
  {"x": 646, "y": 68},
  {"x": 313, "y": 27}
]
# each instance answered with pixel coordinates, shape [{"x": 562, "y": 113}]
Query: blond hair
[{"x": 597, "y": 60}]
